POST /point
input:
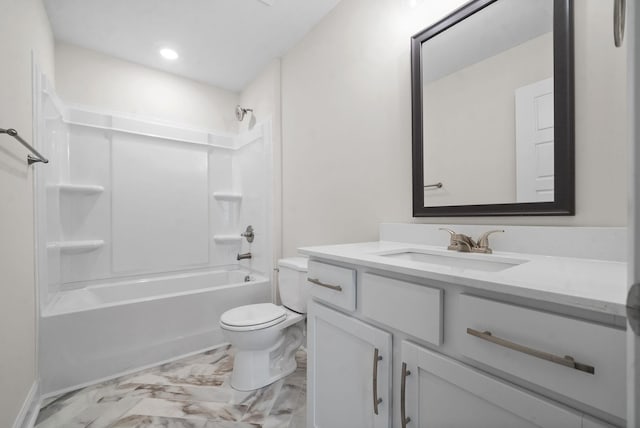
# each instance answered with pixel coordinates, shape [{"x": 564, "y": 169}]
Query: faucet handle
[
  {"x": 453, "y": 243},
  {"x": 451, "y": 232},
  {"x": 459, "y": 241},
  {"x": 248, "y": 234},
  {"x": 483, "y": 242}
]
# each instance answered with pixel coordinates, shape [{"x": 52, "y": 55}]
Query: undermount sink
[{"x": 471, "y": 261}]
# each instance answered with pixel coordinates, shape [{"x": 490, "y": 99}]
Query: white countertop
[{"x": 595, "y": 285}]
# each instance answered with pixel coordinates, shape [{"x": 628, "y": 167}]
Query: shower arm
[{"x": 241, "y": 112}]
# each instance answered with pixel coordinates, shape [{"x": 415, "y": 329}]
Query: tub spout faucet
[{"x": 244, "y": 256}]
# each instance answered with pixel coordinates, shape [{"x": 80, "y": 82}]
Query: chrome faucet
[
  {"x": 465, "y": 244},
  {"x": 459, "y": 241},
  {"x": 244, "y": 256},
  {"x": 483, "y": 242}
]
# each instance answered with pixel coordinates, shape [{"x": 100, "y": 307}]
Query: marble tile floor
[{"x": 190, "y": 393}]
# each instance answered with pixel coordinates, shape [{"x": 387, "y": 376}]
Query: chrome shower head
[{"x": 241, "y": 112}]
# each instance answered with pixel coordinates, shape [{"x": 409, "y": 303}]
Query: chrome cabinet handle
[
  {"x": 322, "y": 284},
  {"x": 619, "y": 12},
  {"x": 403, "y": 396},
  {"x": 376, "y": 400},
  {"x": 566, "y": 361}
]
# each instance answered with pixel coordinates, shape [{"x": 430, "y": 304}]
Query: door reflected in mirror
[{"x": 485, "y": 82}]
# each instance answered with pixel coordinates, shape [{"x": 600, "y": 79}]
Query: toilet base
[
  {"x": 255, "y": 369},
  {"x": 252, "y": 378}
]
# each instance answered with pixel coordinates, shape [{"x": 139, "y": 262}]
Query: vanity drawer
[
  {"x": 533, "y": 346},
  {"x": 332, "y": 284},
  {"x": 411, "y": 308}
]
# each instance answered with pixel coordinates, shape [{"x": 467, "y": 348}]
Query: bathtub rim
[{"x": 49, "y": 309}]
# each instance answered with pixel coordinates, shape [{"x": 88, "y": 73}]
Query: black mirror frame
[{"x": 564, "y": 119}]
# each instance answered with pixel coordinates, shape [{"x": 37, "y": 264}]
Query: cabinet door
[
  {"x": 441, "y": 392},
  {"x": 345, "y": 378}
]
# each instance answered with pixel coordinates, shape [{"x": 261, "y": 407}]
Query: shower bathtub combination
[{"x": 138, "y": 230}]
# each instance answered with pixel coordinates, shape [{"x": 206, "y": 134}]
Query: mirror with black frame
[{"x": 492, "y": 111}]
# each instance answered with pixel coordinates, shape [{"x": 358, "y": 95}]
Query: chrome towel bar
[
  {"x": 435, "y": 185},
  {"x": 30, "y": 159}
]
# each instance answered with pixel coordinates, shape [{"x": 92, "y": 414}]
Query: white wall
[
  {"x": 347, "y": 123},
  {"x": 23, "y": 27},
  {"x": 486, "y": 145},
  {"x": 92, "y": 79}
]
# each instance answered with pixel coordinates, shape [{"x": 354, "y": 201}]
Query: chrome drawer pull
[
  {"x": 403, "y": 399},
  {"x": 376, "y": 400},
  {"x": 566, "y": 361},
  {"x": 322, "y": 284}
]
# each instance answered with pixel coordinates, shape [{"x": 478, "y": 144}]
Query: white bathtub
[{"x": 105, "y": 330}]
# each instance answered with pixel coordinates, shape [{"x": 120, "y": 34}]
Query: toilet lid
[{"x": 253, "y": 315}]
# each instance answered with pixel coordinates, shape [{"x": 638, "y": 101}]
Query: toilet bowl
[{"x": 266, "y": 336}]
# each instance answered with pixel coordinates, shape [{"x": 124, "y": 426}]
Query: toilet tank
[{"x": 292, "y": 283}]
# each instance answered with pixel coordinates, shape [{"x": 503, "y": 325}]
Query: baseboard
[{"x": 29, "y": 412}]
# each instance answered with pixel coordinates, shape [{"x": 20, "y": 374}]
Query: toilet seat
[{"x": 253, "y": 317}]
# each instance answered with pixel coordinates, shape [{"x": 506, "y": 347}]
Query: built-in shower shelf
[
  {"x": 80, "y": 189},
  {"x": 74, "y": 247},
  {"x": 227, "y": 239},
  {"x": 227, "y": 196}
]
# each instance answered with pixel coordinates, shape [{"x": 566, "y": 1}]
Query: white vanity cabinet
[
  {"x": 439, "y": 392},
  {"x": 349, "y": 371},
  {"x": 572, "y": 357},
  {"x": 433, "y": 373},
  {"x": 333, "y": 284}
]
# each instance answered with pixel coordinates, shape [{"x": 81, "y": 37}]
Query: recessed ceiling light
[{"x": 169, "y": 54}]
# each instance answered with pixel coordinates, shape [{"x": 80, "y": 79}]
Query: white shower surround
[{"x": 131, "y": 265}]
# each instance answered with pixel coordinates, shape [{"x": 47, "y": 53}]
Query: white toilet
[{"x": 266, "y": 336}]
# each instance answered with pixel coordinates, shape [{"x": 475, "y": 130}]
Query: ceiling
[
  {"x": 225, "y": 43},
  {"x": 496, "y": 28}
]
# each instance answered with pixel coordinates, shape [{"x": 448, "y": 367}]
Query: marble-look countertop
[{"x": 595, "y": 285}]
